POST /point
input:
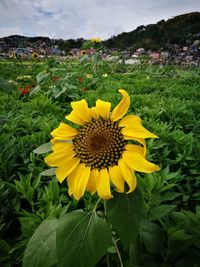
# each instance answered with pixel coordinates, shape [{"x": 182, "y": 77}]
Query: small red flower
[
  {"x": 25, "y": 90},
  {"x": 55, "y": 78},
  {"x": 80, "y": 79},
  {"x": 84, "y": 89}
]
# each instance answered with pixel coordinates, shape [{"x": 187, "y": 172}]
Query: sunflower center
[{"x": 99, "y": 143}]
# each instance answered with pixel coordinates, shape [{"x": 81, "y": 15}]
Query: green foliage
[
  {"x": 125, "y": 212},
  {"x": 41, "y": 249},
  {"x": 159, "y": 227},
  {"x": 82, "y": 239}
]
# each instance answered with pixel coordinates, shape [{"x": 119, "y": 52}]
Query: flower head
[
  {"x": 24, "y": 77},
  {"x": 96, "y": 40},
  {"x": 55, "y": 78},
  {"x": 83, "y": 52},
  {"x": 35, "y": 56},
  {"x": 13, "y": 54},
  {"x": 25, "y": 90},
  {"x": 89, "y": 76},
  {"x": 97, "y": 155},
  {"x": 80, "y": 79},
  {"x": 70, "y": 53}
]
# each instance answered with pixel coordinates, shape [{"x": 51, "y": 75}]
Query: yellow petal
[
  {"x": 94, "y": 113},
  {"x": 70, "y": 192},
  {"x": 116, "y": 178},
  {"x": 64, "y": 132},
  {"x": 133, "y": 127},
  {"x": 103, "y": 108},
  {"x": 138, "y": 163},
  {"x": 81, "y": 110},
  {"x": 103, "y": 185},
  {"x": 120, "y": 110},
  {"x": 137, "y": 131},
  {"x": 128, "y": 175},
  {"x": 74, "y": 118},
  {"x": 62, "y": 146},
  {"x": 135, "y": 148},
  {"x": 54, "y": 141},
  {"x": 129, "y": 120},
  {"x": 91, "y": 186},
  {"x": 66, "y": 168},
  {"x": 59, "y": 158},
  {"x": 78, "y": 179},
  {"x": 139, "y": 140}
]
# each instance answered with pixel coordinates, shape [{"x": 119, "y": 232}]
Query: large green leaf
[
  {"x": 82, "y": 239},
  {"x": 44, "y": 148},
  {"x": 42, "y": 76},
  {"x": 41, "y": 249},
  {"x": 35, "y": 90},
  {"x": 125, "y": 213},
  {"x": 49, "y": 172}
]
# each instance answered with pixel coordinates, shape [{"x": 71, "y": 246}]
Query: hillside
[
  {"x": 179, "y": 29},
  {"x": 43, "y": 42}
]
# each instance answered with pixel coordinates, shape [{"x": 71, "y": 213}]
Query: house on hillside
[
  {"x": 155, "y": 55},
  {"x": 185, "y": 48},
  {"x": 196, "y": 43},
  {"x": 140, "y": 51},
  {"x": 55, "y": 51},
  {"x": 164, "y": 54},
  {"x": 23, "y": 52}
]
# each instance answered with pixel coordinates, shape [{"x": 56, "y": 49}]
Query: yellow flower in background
[
  {"x": 89, "y": 76},
  {"x": 13, "y": 54},
  {"x": 105, "y": 75},
  {"x": 83, "y": 52},
  {"x": 70, "y": 53},
  {"x": 95, "y": 40},
  {"x": 98, "y": 154},
  {"x": 24, "y": 77},
  {"x": 12, "y": 82},
  {"x": 35, "y": 56}
]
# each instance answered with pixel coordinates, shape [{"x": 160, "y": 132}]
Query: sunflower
[
  {"x": 100, "y": 153},
  {"x": 89, "y": 76},
  {"x": 35, "y": 56},
  {"x": 83, "y": 52},
  {"x": 14, "y": 54},
  {"x": 96, "y": 40},
  {"x": 70, "y": 53}
]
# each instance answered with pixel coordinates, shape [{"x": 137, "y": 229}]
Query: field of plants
[{"x": 42, "y": 224}]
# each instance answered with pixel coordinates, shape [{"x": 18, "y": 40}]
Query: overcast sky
[{"x": 85, "y": 18}]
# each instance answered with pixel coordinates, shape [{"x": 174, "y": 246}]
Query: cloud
[
  {"x": 85, "y": 18},
  {"x": 6, "y": 31}
]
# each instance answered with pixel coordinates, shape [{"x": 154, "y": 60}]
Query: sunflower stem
[
  {"x": 118, "y": 253},
  {"x": 96, "y": 205},
  {"x": 105, "y": 209},
  {"x": 108, "y": 261}
]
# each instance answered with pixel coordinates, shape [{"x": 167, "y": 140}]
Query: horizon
[
  {"x": 88, "y": 39},
  {"x": 85, "y": 19}
]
